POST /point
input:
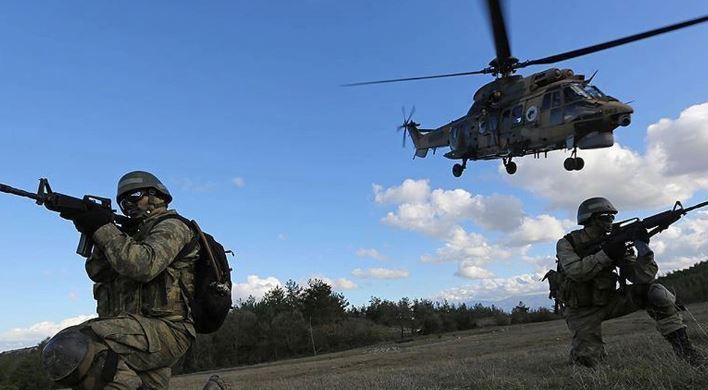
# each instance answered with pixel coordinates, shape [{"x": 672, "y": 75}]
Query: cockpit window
[
  {"x": 574, "y": 92},
  {"x": 594, "y": 92}
]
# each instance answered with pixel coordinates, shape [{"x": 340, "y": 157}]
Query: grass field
[{"x": 528, "y": 356}]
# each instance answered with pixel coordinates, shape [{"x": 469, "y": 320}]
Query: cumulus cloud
[
  {"x": 254, "y": 286},
  {"x": 337, "y": 284},
  {"x": 381, "y": 273},
  {"x": 683, "y": 244},
  {"x": 471, "y": 248},
  {"x": 441, "y": 213},
  {"x": 672, "y": 168},
  {"x": 471, "y": 271},
  {"x": 411, "y": 191},
  {"x": 538, "y": 229},
  {"x": 238, "y": 181},
  {"x": 33, "y": 334},
  {"x": 435, "y": 212},
  {"x": 497, "y": 288},
  {"x": 371, "y": 253}
]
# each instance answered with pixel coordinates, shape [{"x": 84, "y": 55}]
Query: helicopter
[{"x": 514, "y": 116}]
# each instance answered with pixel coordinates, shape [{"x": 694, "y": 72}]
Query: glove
[
  {"x": 614, "y": 249},
  {"x": 89, "y": 221}
]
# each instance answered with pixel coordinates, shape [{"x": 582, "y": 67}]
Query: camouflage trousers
[
  {"x": 585, "y": 323},
  {"x": 146, "y": 349}
]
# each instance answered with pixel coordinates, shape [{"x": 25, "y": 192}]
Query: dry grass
[{"x": 530, "y": 356}]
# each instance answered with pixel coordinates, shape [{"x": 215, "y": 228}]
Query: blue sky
[{"x": 237, "y": 107}]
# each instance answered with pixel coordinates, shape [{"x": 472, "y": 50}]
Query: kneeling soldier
[{"x": 589, "y": 286}]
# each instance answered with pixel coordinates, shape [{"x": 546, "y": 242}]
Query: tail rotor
[{"x": 408, "y": 123}]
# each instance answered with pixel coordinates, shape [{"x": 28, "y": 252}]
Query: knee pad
[
  {"x": 67, "y": 354},
  {"x": 659, "y": 296}
]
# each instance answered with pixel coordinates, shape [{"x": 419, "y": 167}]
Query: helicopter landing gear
[
  {"x": 509, "y": 165},
  {"x": 457, "y": 169},
  {"x": 574, "y": 163}
]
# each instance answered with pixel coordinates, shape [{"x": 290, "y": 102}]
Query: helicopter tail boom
[{"x": 425, "y": 139}]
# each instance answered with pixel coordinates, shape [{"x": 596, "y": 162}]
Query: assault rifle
[
  {"x": 634, "y": 229},
  {"x": 67, "y": 205}
]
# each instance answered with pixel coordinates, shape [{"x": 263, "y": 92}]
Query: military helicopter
[{"x": 515, "y": 116}]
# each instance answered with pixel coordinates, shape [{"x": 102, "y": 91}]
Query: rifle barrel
[
  {"x": 698, "y": 206},
  {"x": 16, "y": 191}
]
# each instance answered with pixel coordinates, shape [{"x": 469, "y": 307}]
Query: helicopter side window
[
  {"x": 551, "y": 99},
  {"x": 556, "y": 116},
  {"x": 516, "y": 114}
]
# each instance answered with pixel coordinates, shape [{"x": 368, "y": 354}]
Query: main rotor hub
[{"x": 504, "y": 67}]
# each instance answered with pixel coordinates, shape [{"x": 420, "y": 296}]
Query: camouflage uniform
[
  {"x": 591, "y": 296},
  {"x": 141, "y": 287}
]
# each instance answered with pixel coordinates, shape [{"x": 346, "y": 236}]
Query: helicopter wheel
[
  {"x": 579, "y": 163},
  {"x": 457, "y": 170},
  {"x": 569, "y": 164},
  {"x": 510, "y": 168}
]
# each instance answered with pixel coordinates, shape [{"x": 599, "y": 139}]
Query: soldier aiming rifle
[{"x": 585, "y": 283}]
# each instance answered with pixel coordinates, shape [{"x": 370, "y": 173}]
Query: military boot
[
  {"x": 684, "y": 349},
  {"x": 215, "y": 383}
]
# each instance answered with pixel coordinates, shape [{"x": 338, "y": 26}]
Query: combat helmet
[
  {"x": 592, "y": 206},
  {"x": 136, "y": 180}
]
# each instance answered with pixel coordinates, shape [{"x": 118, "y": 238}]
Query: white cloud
[
  {"x": 683, "y": 244},
  {"x": 411, "y": 191},
  {"x": 32, "y": 335},
  {"x": 672, "y": 168},
  {"x": 440, "y": 213},
  {"x": 239, "y": 182},
  {"x": 381, "y": 273},
  {"x": 282, "y": 237},
  {"x": 436, "y": 212},
  {"x": 371, "y": 253},
  {"x": 337, "y": 284},
  {"x": 255, "y": 286},
  {"x": 539, "y": 229},
  {"x": 497, "y": 288},
  {"x": 471, "y": 248},
  {"x": 471, "y": 271}
]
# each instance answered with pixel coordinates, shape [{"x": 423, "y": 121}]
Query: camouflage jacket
[
  {"x": 591, "y": 273},
  {"x": 146, "y": 273}
]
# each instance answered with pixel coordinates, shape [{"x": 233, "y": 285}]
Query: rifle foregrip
[{"x": 85, "y": 246}]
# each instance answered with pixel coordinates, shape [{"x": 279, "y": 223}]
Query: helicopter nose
[{"x": 620, "y": 113}]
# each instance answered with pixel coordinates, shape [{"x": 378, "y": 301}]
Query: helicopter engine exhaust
[
  {"x": 624, "y": 120},
  {"x": 596, "y": 140}
]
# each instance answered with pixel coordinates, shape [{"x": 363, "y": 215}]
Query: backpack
[{"x": 211, "y": 301}]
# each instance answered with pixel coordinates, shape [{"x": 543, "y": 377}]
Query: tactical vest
[
  {"x": 595, "y": 292},
  {"x": 162, "y": 297}
]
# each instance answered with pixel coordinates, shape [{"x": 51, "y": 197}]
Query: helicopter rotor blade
[
  {"x": 501, "y": 38},
  {"x": 483, "y": 71},
  {"x": 607, "y": 45}
]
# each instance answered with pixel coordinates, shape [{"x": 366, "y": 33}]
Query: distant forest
[{"x": 296, "y": 320}]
